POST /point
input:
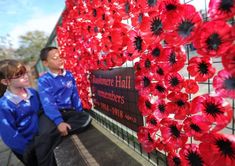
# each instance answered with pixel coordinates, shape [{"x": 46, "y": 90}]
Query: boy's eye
[{"x": 55, "y": 58}]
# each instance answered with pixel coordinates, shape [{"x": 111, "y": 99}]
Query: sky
[{"x": 20, "y": 16}]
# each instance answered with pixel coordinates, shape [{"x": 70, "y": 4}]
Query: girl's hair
[{"x": 10, "y": 69}]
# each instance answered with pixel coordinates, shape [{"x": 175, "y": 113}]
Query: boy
[{"x": 59, "y": 96}]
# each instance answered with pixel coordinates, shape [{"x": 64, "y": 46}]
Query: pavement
[
  {"x": 95, "y": 147},
  {"x": 7, "y": 158}
]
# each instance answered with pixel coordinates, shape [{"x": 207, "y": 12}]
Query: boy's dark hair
[{"x": 44, "y": 52}]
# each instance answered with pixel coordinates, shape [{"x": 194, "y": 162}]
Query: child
[
  {"x": 19, "y": 121},
  {"x": 59, "y": 95}
]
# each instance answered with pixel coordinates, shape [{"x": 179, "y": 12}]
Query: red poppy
[
  {"x": 183, "y": 28},
  {"x": 218, "y": 149},
  {"x": 162, "y": 145},
  {"x": 214, "y": 109},
  {"x": 228, "y": 60},
  {"x": 136, "y": 43},
  {"x": 147, "y": 139},
  {"x": 146, "y": 105},
  {"x": 190, "y": 155},
  {"x": 143, "y": 83},
  {"x": 159, "y": 89},
  {"x": 201, "y": 68},
  {"x": 172, "y": 133},
  {"x": 191, "y": 86},
  {"x": 159, "y": 71},
  {"x": 174, "y": 159},
  {"x": 224, "y": 84},
  {"x": 213, "y": 39},
  {"x": 117, "y": 59},
  {"x": 146, "y": 63},
  {"x": 153, "y": 26},
  {"x": 147, "y": 5},
  {"x": 156, "y": 51},
  {"x": 174, "y": 81},
  {"x": 221, "y": 9},
  {"x": 152, "y": 122},
  {"x": 138, "y": 69},
  {"x": 178, "y": 104},
  {"x": 195, "y": 126},
  {"x": 161, "y": 111},
  {"x": 170, "y": 9},
  {"x": 175, "y": 58}
]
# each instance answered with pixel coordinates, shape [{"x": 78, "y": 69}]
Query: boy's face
[{"x": 54, "y": 61}]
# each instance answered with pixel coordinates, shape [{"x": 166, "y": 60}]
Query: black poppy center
[
  {"x": 151, "y": 2},
  {"x": 177, "y": 161},
  {"x": 174, "y": 131},
  {"x": 110, "y": 38},
  {"x": 203, "y": 68},
  {"x": 94, "y": 12},
  {"x": 160, "y": 88},
  {"x": 185, "y": 28},
  {"x": 226, "y": 5},
  {"x": 194, "y": 159},
  {"x": 156, "y": 26},
  {"x": 180, "y": 103},
  {"x": 127, "y": 7},
  {"x": 160, "y": 71},
  {"x": 89, "y": 28},
  {"x": 174, "y": 81},
  {"x": 225, "y": 147},
  {"x": 140, "y": 17},
  {"x": 171, "y": 7},
  {"x": 195, "y": 127},
  {"x": 172, "y": 58},
  {"x": 148, "y": 104},
  {"x": 129, "y": 54},
  {"x": 95, "y": 29},
  {"x": 146, "y": 82},
  {"x": 103, "y": 16},
  {"x": 161, "y": 108},
  {"x": 138, "y": 43},
  {"x": 149, "y": 138},
  {"x": 213, "y": 109},
  {"x": 138, "y": 68},
  {"x": 213, "y": 41},
  {"x": 147, "y": 63},
  {"x": 156, "y": 52},
  {"x": 153, "y": 121},
  {"x": 230, "y": 83}
]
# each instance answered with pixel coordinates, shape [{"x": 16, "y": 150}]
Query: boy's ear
[
  {"x": 45, "y": 63},
  {"x": 4, "y": 81}
]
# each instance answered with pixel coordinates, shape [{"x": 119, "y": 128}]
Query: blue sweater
[
  {"x": 18, "y": 119},
  {"x": 58, "y": 92}
]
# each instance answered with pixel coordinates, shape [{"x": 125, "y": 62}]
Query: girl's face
[{"x": 20, "y": 81}]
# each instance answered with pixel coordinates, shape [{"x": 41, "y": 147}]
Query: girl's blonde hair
[{"x": 10, "y": 69}]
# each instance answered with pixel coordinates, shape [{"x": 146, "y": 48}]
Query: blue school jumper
[
  {"x": 58, "y": 92},
  {"x": 18, "y": 119}
]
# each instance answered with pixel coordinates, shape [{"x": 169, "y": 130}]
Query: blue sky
[{"x": 20, "y": 16}]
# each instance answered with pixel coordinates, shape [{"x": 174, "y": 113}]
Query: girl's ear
[{"x": 4, "y": 81}]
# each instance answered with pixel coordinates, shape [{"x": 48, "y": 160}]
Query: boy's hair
[
  {"x": 44, "y": 52},
  {"x": 10, "y": 69}
]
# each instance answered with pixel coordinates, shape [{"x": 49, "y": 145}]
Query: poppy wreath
[{"x": 93, "y": 35}]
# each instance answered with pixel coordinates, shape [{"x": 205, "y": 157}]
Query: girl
[
  {"x": 19, "y": 120},
  {"x": 19, "y": 107}
]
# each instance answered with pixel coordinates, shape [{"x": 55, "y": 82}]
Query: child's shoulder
[
  {"x": 32, "y": 90},
  {"x": 46, "y": 76}
]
